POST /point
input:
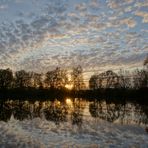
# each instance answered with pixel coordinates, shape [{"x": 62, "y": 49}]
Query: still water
[{"x": 72, "y": 123}]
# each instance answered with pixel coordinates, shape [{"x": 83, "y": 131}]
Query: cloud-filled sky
[{"x": 39, "y": 35}]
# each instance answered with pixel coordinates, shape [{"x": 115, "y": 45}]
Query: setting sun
[{"x": 69, "y": 86}]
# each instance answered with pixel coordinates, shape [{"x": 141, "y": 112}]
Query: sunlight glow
[
  {"x": 69, "y": 86},
  {"x": 68, "y": 102}
]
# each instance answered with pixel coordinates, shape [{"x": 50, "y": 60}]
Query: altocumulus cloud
[{"x": 40, "y": 35}]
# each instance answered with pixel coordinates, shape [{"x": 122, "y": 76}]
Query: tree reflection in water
[
  {"x": 5, "y": 111},
  {"x": 124, "y": 113},
  {"x": 106, "y": 110},
  {"x": 77, "y": 113},
  {"x": 56, "y": 112},
  {"x": 74, "y": 110}
]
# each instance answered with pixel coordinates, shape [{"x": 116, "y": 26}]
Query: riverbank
[{"x": 139, "y": 95}]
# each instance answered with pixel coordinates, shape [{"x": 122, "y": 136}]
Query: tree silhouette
[
  {"x": 37, "y": 80},
  {"x": 77, "y": 78},
  {"x": 6, "y": 78},
  {"x": 107, "y": 79},
  {"x": 145, "y": 63},
  {"x": 124, "y": 79},
  {"x": 22, "y": 79},
  {"x": 95, "y": 82},
  {"x": 140, "y": 79},
  {"x": 57, "y": 78}
]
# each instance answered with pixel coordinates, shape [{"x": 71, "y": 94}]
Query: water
[{"x": 72, "y": 123}]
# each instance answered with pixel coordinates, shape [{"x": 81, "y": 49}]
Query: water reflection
[
  {"x": 75, "y": 110},
  {"x": 124, "y": 113},
  {"x": 56, "y": 111},
  {"x": 106, "y": 111}
]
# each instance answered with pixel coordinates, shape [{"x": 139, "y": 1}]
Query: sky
[{"x": 39, "y": 35}]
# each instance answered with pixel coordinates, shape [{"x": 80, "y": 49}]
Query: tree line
[
  {"x": 124, "y": 79},
  {"x": 55, "y": 79},
  {"x": 59, "y": 78}
]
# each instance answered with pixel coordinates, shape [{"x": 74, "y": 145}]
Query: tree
[
  {"x": 6, "y": 78},
  {"x": 36, "y": 80},
  {"x": 77, "y": 78},
  {"x": 145, "y": 63},
  {"x": 57, "y": 78},
  {"x": 140, "y": 79},
  {"x": 95, "y": 82},
  {"x": 23, "y": 79},
  {"x": 124, "y": 79},
  {"x": 107, "y": 79},
  {"x": 110, "y": 79}
]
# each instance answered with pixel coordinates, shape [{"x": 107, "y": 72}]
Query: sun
[{"x": 69, "y": 86}]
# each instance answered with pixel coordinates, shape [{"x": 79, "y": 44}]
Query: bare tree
[
  {"x": 57, "y": 78},
  {"x": 125, "y": 80},
  {"x": 77, "y": 78},
  {"x": 140, "y": 79}
]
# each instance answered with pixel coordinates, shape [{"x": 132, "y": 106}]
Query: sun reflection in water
[{"x": 68, "y": 102}]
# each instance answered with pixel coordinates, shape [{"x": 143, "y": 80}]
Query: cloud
[
  {"x": 115, "y": 4},
  {"x": 142, "y": 14},
  {"x": 40, "y": 23},
  {"x": 19, "y": 37},
  {"x": 140, "y": 4},
  {"x": 67, "y": 33},
  {"x": 94, "y": 4},
  {"x": 55, "y": 7},
  {"x": 81, "y": 7},
  {"x": 3, "y": 7},
  {"x": 129, "y": 22}
]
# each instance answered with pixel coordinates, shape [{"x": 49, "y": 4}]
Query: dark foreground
[{"x": 140, "y": 95}]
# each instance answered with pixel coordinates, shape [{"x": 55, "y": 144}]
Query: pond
[{"x": 73, "y": 122}]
